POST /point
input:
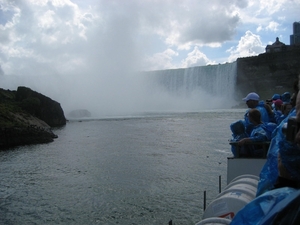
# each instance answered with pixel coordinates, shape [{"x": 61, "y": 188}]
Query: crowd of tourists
[
  {"x": 278, "y": 193},
  {"x": 260, "y": 120}
]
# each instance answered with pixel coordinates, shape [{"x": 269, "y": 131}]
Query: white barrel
[
  {"x": 244, "y": 181},
  {"x": 246, "y": 176},
  {"x": 235, "y": 196},
  {"x": 245, "y": 188},
  {"x": 214, "y": 221}
]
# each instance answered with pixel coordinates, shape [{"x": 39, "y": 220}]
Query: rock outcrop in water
[
  {"x": 79, "y": 113},
  {"x": 26, "y": 117}
]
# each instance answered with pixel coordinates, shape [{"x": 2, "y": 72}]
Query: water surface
[{"x": 138, "y": 170}]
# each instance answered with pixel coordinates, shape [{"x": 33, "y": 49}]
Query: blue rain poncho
[
  {"x": 285, "y": 212},
  {"x": 263, "y": 112},
  {"x": 259, "y": 133},
  {"x": 281, "y": 118},
  {"x": 238, "y": 132},
  {"x": 277, "y": 116},
  {"x": 276, "y": 96},
  {"x": 263, "y": 209},
  {"x": 269, "y": 128},
  {"x": 286, "y": 97},
  {"x": 269, "y": 172},
  {"x": 290, "y": 158}
]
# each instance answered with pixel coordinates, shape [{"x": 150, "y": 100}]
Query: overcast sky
[
  {"x": 55, "y": 38},
  {"x": 67, "y": 34}
]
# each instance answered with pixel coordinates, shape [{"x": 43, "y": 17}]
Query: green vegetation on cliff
[{"x": 9, "y": 107}]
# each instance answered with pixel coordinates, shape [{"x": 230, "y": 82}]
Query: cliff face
[
  {"x": 26, "y": 117},
  {"x": 268, "y": 73},
  {"x": 41, "y": 106}
]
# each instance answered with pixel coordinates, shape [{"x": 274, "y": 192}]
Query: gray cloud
[{"x": 217, "y": 29}]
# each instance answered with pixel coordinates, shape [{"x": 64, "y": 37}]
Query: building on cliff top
[{"x": 278, "y": 46}]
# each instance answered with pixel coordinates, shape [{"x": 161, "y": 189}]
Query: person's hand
[{"x": 243, "y": 141}]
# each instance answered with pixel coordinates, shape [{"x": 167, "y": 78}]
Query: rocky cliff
[
  {"x": 41, "y": 106},
  {"x": 268, "y": 73},
  {"x": 26, "y": 117}
]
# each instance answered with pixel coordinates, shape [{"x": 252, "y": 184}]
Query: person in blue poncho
[
  {"x": 238, "y": 132},
  {"x": 281, "y": 205},
  {"x": 269, "y": 172},
  {"x": 252, "y": 101},
  {"x": 286, "y": 109},
  {"x": 286, "y": 97},
  {"x": 278, "y": 192},
  {"x": 258, "y": 134},
  {"x": 275, "y": 97}
]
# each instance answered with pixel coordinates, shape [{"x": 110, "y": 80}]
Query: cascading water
[
  {"x": 215, "y": 84},
  {"x": 217, "y": 80}
]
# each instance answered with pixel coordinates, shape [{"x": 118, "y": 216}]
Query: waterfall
[
  {"x": 215, "y": 80},
  {"x": 195, "y": 88}
]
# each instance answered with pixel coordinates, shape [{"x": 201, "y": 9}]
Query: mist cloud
[{"x": 73, "y": 50}]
